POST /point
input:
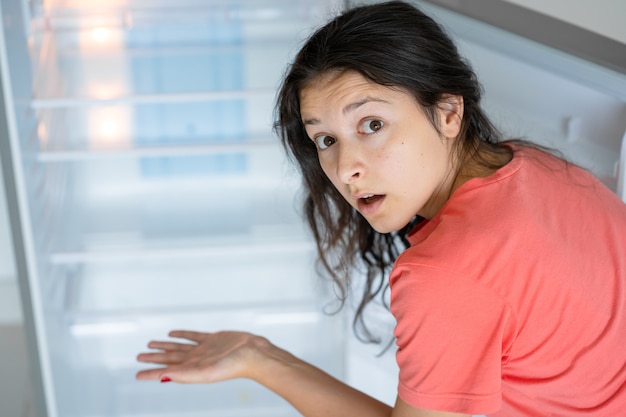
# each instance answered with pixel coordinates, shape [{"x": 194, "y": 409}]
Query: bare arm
[
  {"x": 214, "y": 357},
  {"x": 403, "y": 409},
  {"x": 313, "y": 392}
]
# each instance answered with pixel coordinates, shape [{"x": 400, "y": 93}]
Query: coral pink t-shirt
[{"x": 511, "y": 301}]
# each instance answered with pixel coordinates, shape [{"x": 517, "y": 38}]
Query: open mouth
[
  {"x": 368, "y": 205},
  {"x": 370, "y": 199}
]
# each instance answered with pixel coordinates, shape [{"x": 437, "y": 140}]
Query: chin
[{"x": 380, "y": 228}]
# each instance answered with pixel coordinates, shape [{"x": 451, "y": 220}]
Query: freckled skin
[{"x": 377, "y": 140}]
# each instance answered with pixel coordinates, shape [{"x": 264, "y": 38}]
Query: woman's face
[{"x": 379, "y": 149}]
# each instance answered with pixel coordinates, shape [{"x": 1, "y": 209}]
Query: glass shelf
[{"x": 149, "y": 128}]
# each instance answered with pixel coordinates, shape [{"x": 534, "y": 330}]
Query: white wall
[{"x": 605, "y": 17}]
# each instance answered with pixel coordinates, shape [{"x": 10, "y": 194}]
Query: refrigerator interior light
[
  {"x": 101, "y": 35},
  {"x": 42, "y": 134},
  {"x": 108, "y": 126}
]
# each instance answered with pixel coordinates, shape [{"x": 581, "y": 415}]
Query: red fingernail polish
[{"x": 166, "y": 379}]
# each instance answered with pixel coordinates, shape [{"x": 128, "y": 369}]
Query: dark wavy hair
[{"x": 392, "y": 44}]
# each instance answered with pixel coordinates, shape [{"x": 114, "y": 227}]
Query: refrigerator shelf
[
  {"x": 291, "y": 326},
  {"x": 72, "y": 15},
  {"x": 92, "y": 322},
  {"x": 198, "y": 96},
  {"x": 42, "y": 54},
  {"x": 171, "y": 147},
  {"x": 170, "y": 125},
  {"x": 172, "y": 251},
  {"x": 104, "y": 289}
]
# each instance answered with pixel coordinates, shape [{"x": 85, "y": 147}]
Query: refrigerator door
[{"x": 148, "y": 192}]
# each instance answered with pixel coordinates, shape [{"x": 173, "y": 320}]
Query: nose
[{"x": 350, "y": 164}]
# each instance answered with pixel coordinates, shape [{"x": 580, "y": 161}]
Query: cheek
[
  {"x": 399, "y": 160},
  {"x": 325, "y": 167},
  {"x": 329, "y": 171}
]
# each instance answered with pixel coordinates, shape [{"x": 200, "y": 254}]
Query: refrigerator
[
  {"x": 147, "y": 191},
  {"x": 151, "y": 194}
]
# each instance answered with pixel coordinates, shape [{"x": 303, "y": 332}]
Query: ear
[{"x": 450, "y": 113}]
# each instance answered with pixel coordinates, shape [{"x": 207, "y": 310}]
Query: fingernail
[{"x": 166, "y": 379}]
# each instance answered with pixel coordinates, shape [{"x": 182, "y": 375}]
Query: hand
[
  {"x": 202, "y": 357},
  {"x": 213, "y": 357}
]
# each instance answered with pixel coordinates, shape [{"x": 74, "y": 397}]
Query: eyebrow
[{"x": 350, "y": 107}]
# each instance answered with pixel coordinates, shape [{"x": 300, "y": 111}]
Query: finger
[
  {"x": 170, "y": 374},
  {"x": 151, "y": 357},
  {"x": 150, "y": 374},
  {"x": 170, "y": 346},
  {"x": 189, "y": 335},
  {"x": 161, "y": 358}
]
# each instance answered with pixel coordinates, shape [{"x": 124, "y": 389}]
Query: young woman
[{"x": 510, "y": 299}]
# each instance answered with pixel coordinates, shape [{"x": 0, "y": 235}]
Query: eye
[
  {"x": 372, "y": 125},
  {"x": 324, "y": 141}
]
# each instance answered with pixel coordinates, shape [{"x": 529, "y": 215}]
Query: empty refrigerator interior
[{"x": 158, "y": 196}]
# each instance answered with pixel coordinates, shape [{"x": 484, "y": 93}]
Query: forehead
[
  {"x": 343, "y": 89},
  {"x": 340, "y": 93},
  {"x": 337, "y": 84}
]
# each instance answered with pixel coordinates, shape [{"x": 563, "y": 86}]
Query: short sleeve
[{"x": 452, "y": 335}]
